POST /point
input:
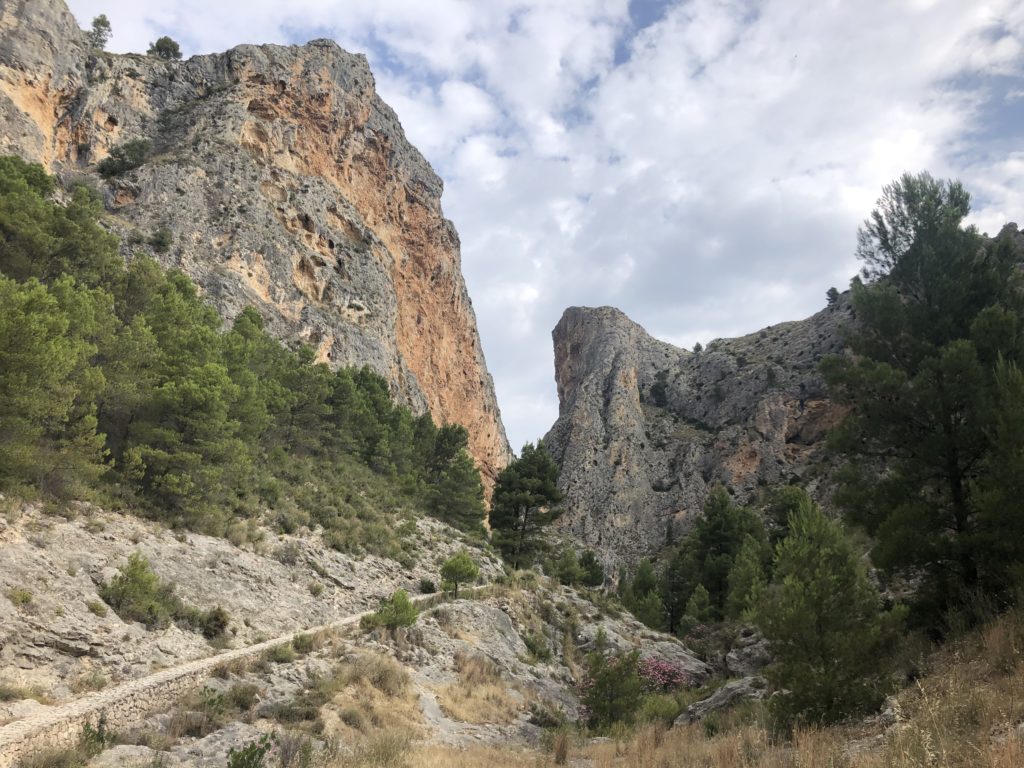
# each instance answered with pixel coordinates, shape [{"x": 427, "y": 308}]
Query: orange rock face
[{"x": 288, "y": 185}]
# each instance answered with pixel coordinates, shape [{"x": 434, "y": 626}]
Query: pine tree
[
  {"x": 824, "y": 622},
  {"x": 99, "y": 33},
  {"x": 525, "y": 496},
  {"x": 459, "y": 569},
  {"x": 941, "y": 307}
]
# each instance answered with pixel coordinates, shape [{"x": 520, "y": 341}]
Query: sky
[{"x": 703, "y": 165}]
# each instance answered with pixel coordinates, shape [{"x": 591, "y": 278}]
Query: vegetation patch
[{"x": 480, "y": 695}]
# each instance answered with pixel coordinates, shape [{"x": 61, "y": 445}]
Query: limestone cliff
[
  {"x": 646, "y": 429},
  {"x": 286, "y": 183}
]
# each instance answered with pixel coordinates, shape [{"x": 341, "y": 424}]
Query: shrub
[
  {"x": 280, "y": 654},
  {"x": 166, "y": 48},
  {"x": 459, "y": 568},
  {"x": 659, "y": 676},
  {"x": 427, "y": 587},
  {"x": 303, "y": 643},
  {"x": 252, "y": 754},
  {"x": 124, "y": 157},
  {"x": 242, "y": 696},
  {"x": 396, "y": 611},
  {"x": 611, "y": 690},
  {"x": 161, "y": 240},
  {"x": 824, "y": 621},
  {"x": 316, "y": 588},
  {"x": 137, "y": 593},
  {"x": 593, "y": 572},
  {"x": 19, "y": 596},
  {"x": 537, "y": 645}
]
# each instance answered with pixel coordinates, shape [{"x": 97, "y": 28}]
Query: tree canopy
[
  {"x": 525, "y": 496},
  {"x": 938, "y": 317}
]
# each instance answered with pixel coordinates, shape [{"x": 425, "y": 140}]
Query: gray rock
[
  {"x": 646, "y": 429},
  {"x": 749, "y": 688},
  {"x": 750, "y": 654}
]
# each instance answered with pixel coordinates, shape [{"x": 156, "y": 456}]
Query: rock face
[
  {"x": 645, "y": 429},
  {"x": 286, "y": 183}
]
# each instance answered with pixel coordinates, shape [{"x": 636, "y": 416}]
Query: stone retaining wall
[{"x": 129, "y": 703}]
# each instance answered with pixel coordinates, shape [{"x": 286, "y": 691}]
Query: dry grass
[
  {"x": 478, "y": 757},
  {"x": 966, "y": 712},
  {"x": 368, "y": 699},
  {"x": 480, "y": 696}
]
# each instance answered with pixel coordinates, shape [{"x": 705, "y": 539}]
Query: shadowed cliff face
[
  {"x": 645, "y": 429},
  {"x": 287, "y": 184}
]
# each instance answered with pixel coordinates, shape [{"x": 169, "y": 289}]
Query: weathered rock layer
[
  {"x": 286, "y": 183},
  {"x": 645, "y": 429}
]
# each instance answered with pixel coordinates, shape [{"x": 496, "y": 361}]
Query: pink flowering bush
[{"x": 658, "y": 676}]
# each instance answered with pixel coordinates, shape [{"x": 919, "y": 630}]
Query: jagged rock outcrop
[
  {"x": 646, "y": 429},
  {"x": 286, "y": 183}
]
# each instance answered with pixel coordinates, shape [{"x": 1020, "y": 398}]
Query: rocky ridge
[
  {"x": 286, "y": 184},
  {"x": 646, "y": 429}
]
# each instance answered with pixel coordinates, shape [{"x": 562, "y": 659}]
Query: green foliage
[
  {"x": 832, "y": 297},
  {"x": 537, "y": 645},
  {"x": 19, "y": 596},
  {"x": 746, "y": 578},
  {"x": 124, "y": 157},
  {"x": 566, "y": 567},
  {"x": 427, "y": 587},
  {"x": 641, "y": 595},
  {"x": 459, "y": 569},
  {"x": 707, "y": 556},
  {"x": 941, "y": 310},
  {"x": 165, "y": 48},
  {"x": 396, "y": 611},
  {"x": 160, "y": 241},
  {"x": 823, "y": 619},
  {"x": 137, "y": 593},
  {"x": 593, "y": 571},
  {"x": 253, "y": 754},
  {"x": 612, "y": 689},
  {"x": 120, "y": 382},
  {"x": 99, "y": 33},
  {"x": 524, "y": 501}
]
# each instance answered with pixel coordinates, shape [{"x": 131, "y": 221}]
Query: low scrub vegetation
[
  {"x": 480, "y": 695},
  {"x": 137, "y": 593}
]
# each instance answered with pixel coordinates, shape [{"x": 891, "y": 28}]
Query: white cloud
[{"x": 706, "y": 174}]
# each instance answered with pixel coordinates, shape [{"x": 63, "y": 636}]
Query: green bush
[
  {"x": 612, "y": 689},
  {"x": 19, "y": 596},
  {"x": 160, "y": 241},
  {"x": 537, "y": 645},
  {"x": 137, "y": 593},
  {"x": 124, "y": 157},
  {"x": 280, "y": 654},
  {"x": 427, "y": 587},
  {"x": 396, "y": 611},
  {"x": 823, "y": 618},
  {"x": 460, "y": 568},
  {"x": 303, "y": 643},
  {"x": 252, "y": 755}
]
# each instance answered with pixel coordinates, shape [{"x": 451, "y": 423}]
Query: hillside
[{"x": 276, "y": 178}]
